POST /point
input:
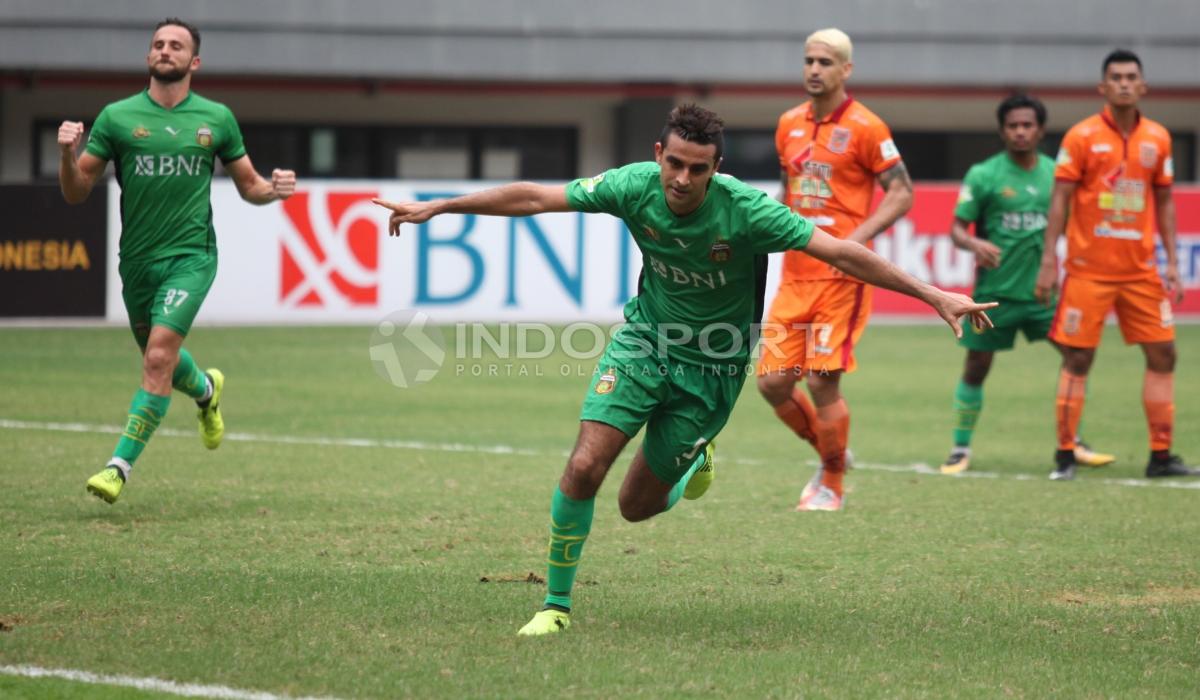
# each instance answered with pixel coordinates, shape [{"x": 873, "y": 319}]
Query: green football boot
[
  {"x": 212, "y": 427},
  {"x": 546, "y": 622},
  {"x": 107, "y": 484},
  {"x": 698, "y": 485}
]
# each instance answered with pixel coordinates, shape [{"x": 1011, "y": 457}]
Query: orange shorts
[
  {"x": 814, "y": 326},
  {"x": 1142, "y": 306}
]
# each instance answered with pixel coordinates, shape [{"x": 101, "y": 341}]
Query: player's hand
[
  {"x": 987, "y": 254},
  {"x": 1174, "y": 285},
  {"x": 407, "y": 213},
  {"x": 952, "y": 307},
  {"x": 69, "y": 136},
  {"x": 283, "y": 183},
  {"x": 1047, "y": 281}
]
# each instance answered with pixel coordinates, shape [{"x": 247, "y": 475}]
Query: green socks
[
  {"x": 968, "y": 402},
  {"x": 677, "y": 490},
  {"x": 145, "y": 413},
  {"x": 570, "y": 522},
  {"x": 188, "y": 377}
]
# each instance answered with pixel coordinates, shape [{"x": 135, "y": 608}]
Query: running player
[
  {"x": 163, "y": 141},
  {"x": 832, "y": 151},
  {"x": 1112, "y": 182},
  {"x": 678, "y": 363},
  {"x": 1006, "y": 197}
]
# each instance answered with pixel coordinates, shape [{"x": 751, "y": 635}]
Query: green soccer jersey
[
  {"x": 700, "y": 280},
  {"x": 1008, "y": 205},
  {"x": 164, "y": 165}
]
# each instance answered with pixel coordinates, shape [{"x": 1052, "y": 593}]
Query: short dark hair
[
  {"x": 1017, "y": 100},
  {"x": 180, "y": 23},
  {"x": 694, "y": 123},
  {"x": 1120, "y": 56}
]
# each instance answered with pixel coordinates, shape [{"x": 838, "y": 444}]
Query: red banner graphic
[
  {"x": 330, "y": 255},
  {"x": 919, "y": 243}
]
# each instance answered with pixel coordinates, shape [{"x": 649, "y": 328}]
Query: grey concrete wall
[{"x": 908, "y": 42}]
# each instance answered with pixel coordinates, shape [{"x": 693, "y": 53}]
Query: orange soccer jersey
[
  {"x": 831, "y": 167},
  {"x": 1110, "y": 230}
]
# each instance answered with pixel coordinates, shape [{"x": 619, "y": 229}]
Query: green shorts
[
  {"x": 682, "y": 405},
  {"x": 166, "y": 292},
  {"x": 1029, "y": 317}
]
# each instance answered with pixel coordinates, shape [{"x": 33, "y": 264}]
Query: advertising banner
[
  {"x": 324, "y": 256},
  {"x": 52, "y": 256}
]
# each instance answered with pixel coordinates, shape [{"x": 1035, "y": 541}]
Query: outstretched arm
[
  {"x": 515, "y": 199},
  {"x": 897, "y": 200},
  {"x": 854, "y": 259},
  {"x": 256, "y": 189},
  {"x": 76, "y": 177}
]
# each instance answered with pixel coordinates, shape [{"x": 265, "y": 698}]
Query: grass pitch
[{"x": 338, "y": 542}]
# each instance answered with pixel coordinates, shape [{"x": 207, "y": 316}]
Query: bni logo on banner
[{"x": 329, "y": 255}]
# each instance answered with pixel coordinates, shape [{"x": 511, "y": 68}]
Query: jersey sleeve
[
  {"x": 774, "y": 227},
  {"x": 233, "y": 147},
  {"x": 781, "y": 135},
  {"x": 971, "y": 195},
  {"x": 1164, "y": 175},
  {"x": 100, "y": 141},
  {"x": 880, "y": 152},
  {"x": 1071, "y": 154},
  {"x": 603, "y": 193}
]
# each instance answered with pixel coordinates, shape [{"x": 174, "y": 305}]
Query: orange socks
[
  {"x": 1068, "y": 407},
  {"x": 799, "y": 415},
  {"x": 833, "y": 433},
  {"x": 1158, "y": 398}
]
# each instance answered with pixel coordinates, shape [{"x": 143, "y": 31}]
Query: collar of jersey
[
  {"x": 1107, "y": 117},
  {"x": 146, "y": 94},
  {"x": 836, "y": 115}
]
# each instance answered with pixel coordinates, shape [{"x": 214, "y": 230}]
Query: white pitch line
[
  {"x": 420, "y": 446},
  {"x": 190, "y": 690}
]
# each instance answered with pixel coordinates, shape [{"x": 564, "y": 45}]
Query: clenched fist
[
  {"x": 283, "y": 183},
  {"x": 69, "y": 135}
]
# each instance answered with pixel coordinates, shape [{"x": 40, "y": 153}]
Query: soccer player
[
  {"x": 1112, "y": 182},
  {"x": 1006, "y": 197},
  {"x": 163, "y": 141},
  {"x": 677, "y": 364},
  {"x": 832, "y": 151}
]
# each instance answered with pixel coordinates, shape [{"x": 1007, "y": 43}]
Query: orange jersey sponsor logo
[
  {"x": 1110, "y": 231},
  {"x": 831, "y": 166}
]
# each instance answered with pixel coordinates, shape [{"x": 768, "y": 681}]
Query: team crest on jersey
[
  {"x": 1149, "y": 155},
  {"x": 204, "y": 136},
  {"x": 839, "y": 140},
  {"x": 1008, "y": 192},
  {"x": 608, "y": 380},
  {"x": 720, "y": 252},
  {"x": 651, "y": 233},
  {"x": 141, "y": 132}
]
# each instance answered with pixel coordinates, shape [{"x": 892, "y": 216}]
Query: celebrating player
[
  {"x": 163, "y": 141},
  {"x": 1112, "y": 182},
  {"x": 1006, "y": 197},
  {"x": 832, "y": 151},
  {"x": 678, "y": 363}
]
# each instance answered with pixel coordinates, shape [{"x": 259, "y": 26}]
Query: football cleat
[
  {"x": 702, "y": 478},
  {"x": 823, "y": 498},
  {"x": 811, "y": 487},
  {"x": 546, "y": 622},
  {"x": 107, "y": 484},
  {"x": 1172, "y": 465},
  {"x": 1086, "y": 457},
  {"x": 212, "y": 427},
  {"x": 958, "y": 462},
  {"x": 1064, "y": 465}
]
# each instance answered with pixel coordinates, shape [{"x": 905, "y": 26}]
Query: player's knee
[
  {"x": 583, "y": 475},
  {"x": 1161, "y": 359},
  {"x": 158, "y": 360},
  {"x": 776, "y": 387}
]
